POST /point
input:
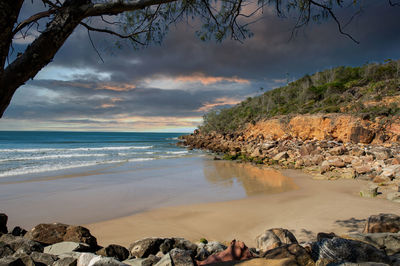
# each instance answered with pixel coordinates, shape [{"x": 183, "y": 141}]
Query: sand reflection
[{"x": 254, "y": 179}]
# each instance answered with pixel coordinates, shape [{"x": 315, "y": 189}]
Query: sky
[{"x": 169, "y": 87}]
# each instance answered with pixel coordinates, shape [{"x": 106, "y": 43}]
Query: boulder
[
  {"x": 325, "y": 167},
  {"x": 360, "y": 134},
  {"x": 26, "y": 259},
  {"x": 54, "y": 233},
  {"x": 144, "y": 247},
  {"x": 165, "y": 261},
  {"x": 85, "y": 258},
  {"x": 392, "y": 171},
  {"x": 20, "y": 244},
  {"x": 3, "y": 223},
  {"x": 388, "y": 242},
  {"x": 104, "y": 261},
  {"x": 47, "y": 233},
  {"x": 281, "y": 156},
  {"x": 337, "y": 250},
  {"x": 184, "y": 244},
  {"x": 44, "y": 258},
  {"x": 181, "y": 257},
  {"x": 205, "y": 250},
  {"x": 296, "y": 255},
  {"x": 66, "y": 247},
  {"x": 68, "y": 261},
  {"x": 5, "y": 250},
  {"x": 237, "y": 250},
  {"x": 115, "y": 251},
  {"x": 322, "y": 235},
  {"x": 363, "y": 169},
  {"x": 150, "y": 260},
  {"x": 337, "y": 162},
  {"x": 80, "y": 234},
  {"x": 369, "y": 192},
  {"x": 11, "y": 261},
  {"x": 18, "y": 231},
  {"x": 274, "y": 238},
  {"x": 214, "y": 247},
  {"x": 340, "y": 150},
  {"x": 394, "y": 196},
  {"x": 382, "y": 223}
]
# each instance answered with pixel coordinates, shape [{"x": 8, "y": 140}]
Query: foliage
[{"x": 354, "y": 90}]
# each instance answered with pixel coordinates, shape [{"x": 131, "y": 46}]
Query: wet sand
[
  {"x": 93, "y": 194},
  {"x": 317, "y": 206}
]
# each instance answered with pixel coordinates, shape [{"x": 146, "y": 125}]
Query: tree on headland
[{"x": 139, "y": 21}]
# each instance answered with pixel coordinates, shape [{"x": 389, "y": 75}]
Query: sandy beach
[{"x": 317, "y": 206}]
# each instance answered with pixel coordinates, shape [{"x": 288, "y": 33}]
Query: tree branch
[
  {"x": 339, "y": 25},
  {"x": 115, "y": 8},
  {"x": 33, "y": 18},
  {"x": 128, "y": 36}
]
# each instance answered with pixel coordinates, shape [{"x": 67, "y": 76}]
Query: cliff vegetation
[{"x": 371, "y": 90}]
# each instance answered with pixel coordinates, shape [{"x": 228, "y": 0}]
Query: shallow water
[{"x": 106, "y": 191}]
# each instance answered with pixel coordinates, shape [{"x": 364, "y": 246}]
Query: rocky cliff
[{"x": 337, "y": 127}]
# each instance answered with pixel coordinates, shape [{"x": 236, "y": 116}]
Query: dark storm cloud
[
  {"x": 270, "y": 55},
  {"x": 84, "y": 98}
]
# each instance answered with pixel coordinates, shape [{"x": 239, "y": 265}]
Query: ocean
[
  {"x": 23, "y": 152},
  {"x": 87, "y": 177}
]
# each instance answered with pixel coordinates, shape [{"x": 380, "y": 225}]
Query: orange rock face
[{"x": 344, "y": 128}]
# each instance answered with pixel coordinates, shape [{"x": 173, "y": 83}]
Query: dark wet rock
[
  {"x": 382, "y": 223},
  {"x": 18, "y": 231},
  {"x": 322, "y": 235},
  {"x": 68, "y": 261},
  {"x": 26, "y": 246},
  {"x": 26, "y": 259},
  {"x": 236, "y": 251},
  {"x": 181, "y": 243},
  {"x": 274, "y": 238},
  {"x": 44, "y": 258},
  {"x": 115, "y": 251},
  {"x": 5, "y": 250},
  {"x": 54, "y": 233},
  {"x": 145, "y": 247},
  {"x": 294, "y": 252},
  {"x": 20, "y": 244},
  {"x": 11, "y": 261},
  {"x": 167, "y": 245},
  {"x": 337, "y": 250},
  {"x": 165, "y": 261},
  {"x": 205, "y": 250},
  {"x": 3, "y": 223},
  {"x": 388, "y": 242},
  {"x": 181, "y": 257}
]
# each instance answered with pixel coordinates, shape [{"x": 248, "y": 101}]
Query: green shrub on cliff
[{"x": 336, "y": 90}]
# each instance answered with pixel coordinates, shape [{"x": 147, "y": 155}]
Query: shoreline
[
  {"x": 318, "y": 206},
  {"x": 107, "y": 193}
]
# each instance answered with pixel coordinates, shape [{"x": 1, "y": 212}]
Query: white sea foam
[
  {"x": 177, "y": 152},
  {"x": 78, "y": 149},
  {"x": 54, "y": 156},
  {"x": 140, "y": 159},
  {"x": 43, "y": 168}
]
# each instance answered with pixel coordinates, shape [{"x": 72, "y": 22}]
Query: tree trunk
[
  {"x": 42, "y": 50},
  {"x": 9, "y": 11}
]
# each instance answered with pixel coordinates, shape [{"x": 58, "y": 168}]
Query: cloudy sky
[{"x": 169, "y": 87}]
